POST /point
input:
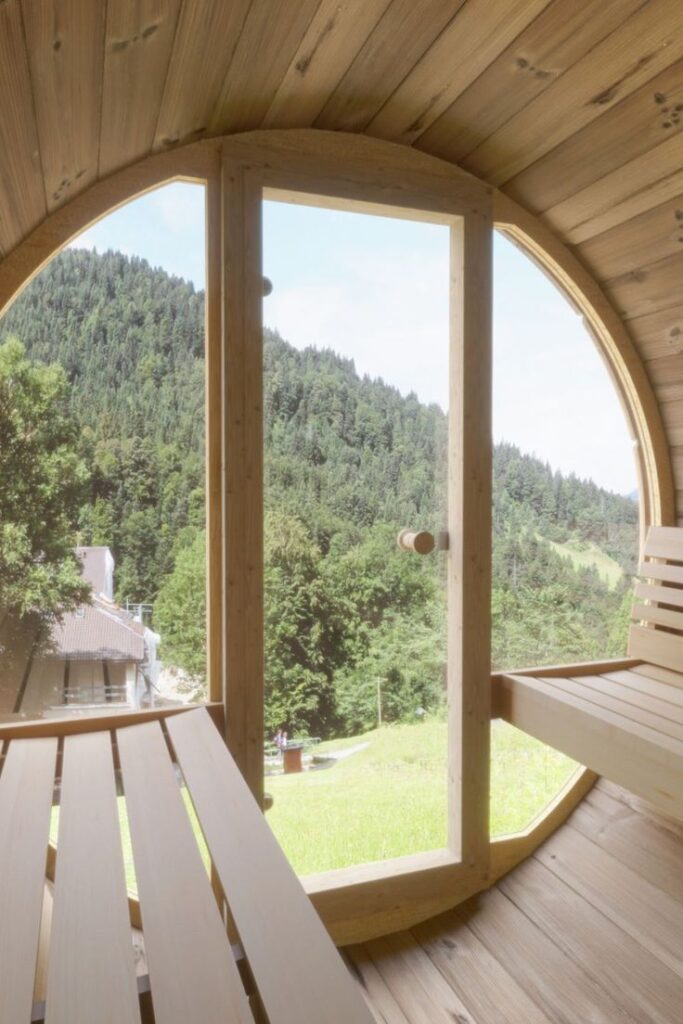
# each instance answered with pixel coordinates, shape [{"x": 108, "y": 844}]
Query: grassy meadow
[{"x": 389, "y": 799}]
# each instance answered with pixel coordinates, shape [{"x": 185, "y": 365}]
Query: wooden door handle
[{"x": 420, "y": 541}]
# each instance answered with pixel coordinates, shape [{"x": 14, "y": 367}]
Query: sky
[{"x": 375, "y": 289}]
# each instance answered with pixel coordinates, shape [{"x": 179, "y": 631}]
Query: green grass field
[
  {"x": 388, "y": 799},
  {"x": 585, "y": 555}
]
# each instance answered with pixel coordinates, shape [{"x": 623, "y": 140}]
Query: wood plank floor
[{"x": 587, "y": 931}]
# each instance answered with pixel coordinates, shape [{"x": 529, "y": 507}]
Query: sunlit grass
[{"x": 389, "y": 799}]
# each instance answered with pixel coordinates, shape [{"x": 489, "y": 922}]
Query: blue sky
[{"x": 376, "y": 289}]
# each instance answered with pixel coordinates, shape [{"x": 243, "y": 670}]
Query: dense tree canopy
[
  {"x": 348, "y": 462},
  {"x": 43, "y": 486}
]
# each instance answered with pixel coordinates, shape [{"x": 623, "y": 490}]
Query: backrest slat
[
  {"x": 660, "y": 571},
  {"x": 657, "y": 633},
  {"x": 664, "y": 542}
]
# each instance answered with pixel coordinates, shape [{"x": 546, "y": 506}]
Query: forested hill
[{"x": 348, "y": 461}]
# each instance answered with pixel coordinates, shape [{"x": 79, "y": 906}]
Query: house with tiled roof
[{"x": 98, "y": 655}]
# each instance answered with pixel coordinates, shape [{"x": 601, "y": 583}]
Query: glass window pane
[
  {"x": 356, "y": 399},
  {"x": 565, "y": 513},
  {"x": 102, "y": 382}
]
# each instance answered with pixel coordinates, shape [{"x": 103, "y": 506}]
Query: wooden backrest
[{"x": 656, "y": 634}]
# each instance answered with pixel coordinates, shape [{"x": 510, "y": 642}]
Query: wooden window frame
[{"x": 370, "y": 899}]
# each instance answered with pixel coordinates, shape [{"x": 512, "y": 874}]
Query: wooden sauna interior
[{"x": 560, "y": 123}]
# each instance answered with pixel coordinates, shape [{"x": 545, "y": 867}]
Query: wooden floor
[{"x": 588, "y": 931}]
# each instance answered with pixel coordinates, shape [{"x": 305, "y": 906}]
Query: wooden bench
[
  {"x": 622, "y": 719},
  {"x": 291, "y": 974}
]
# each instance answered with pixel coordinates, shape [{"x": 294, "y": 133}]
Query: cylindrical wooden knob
[{"x": 420, "y": 541}]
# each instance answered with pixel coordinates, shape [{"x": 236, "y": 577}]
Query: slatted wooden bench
[
  {"x": 291, "y": 974},
  {"x": 622, "y": 719}
]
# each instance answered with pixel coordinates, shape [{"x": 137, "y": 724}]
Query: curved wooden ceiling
[{"x": 573, "y": 107}]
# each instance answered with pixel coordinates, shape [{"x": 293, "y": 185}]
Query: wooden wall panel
[
  {"x": 648, "y": 238},
  {"x": 646, "y": 43},
  {"x": 205, "y": 42},
  {"x": 332, "y": 40},
  {"x": 630, "y": 189},
  {"x": 269, "y": 39},
  {"x": 623, "y": 132},
  {"x": 648, "y": 289},
  {"x": 64, "y": 39},
  {"x": 551, "y": 44},
  {"x": 137, "y": 50},
  {"x": 400, "y": 40},
  {"x": 475, "y": 37},
  {"x": 22, "y": 193},
  {"x": 659, "y": 333}
]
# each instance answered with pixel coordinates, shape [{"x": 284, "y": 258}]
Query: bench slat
[
  {"x": 664, "y": 542},
  {"x": 26, "y": 786},
  {"x": 297, "y": 969},
  {"x": 609, "y": 695},
  {"x": 91, "y": 968},
  {"x": 658, "y": 672},
  {"x": 648, "y": 763},
  {"x": 193, "y": 974},
  {"x": 644, "y": 683}
]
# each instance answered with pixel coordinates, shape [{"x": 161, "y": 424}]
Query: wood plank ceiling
[{"x": 575, "y": 109}]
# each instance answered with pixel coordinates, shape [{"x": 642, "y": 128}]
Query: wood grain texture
[
  {"x": 205, "y": 41},
  {"x": 648, "y": 762},
  {"x": 486, "y": 988},
  {"x": 648, "y": 238},
  {"x": 648, "y": 289},
  {"x": 401, "y": 39},
  {"x": 64, "y": 39},
  {"x": 619, "y": 135},
  {"x": 570, "y": 936},
  {"x": 469, "y": 529},
  {"x": 243, "y": 474},
  {"x": 137, "y": 50},
  {"x": 267, "y": 44},
  {"x": 91, "y": 971},
  {"x": 477, "y": 34},
  {"x": 643, "y": 45},
  {"x": 632, "y": 975},
  {"x": 22, "y": 191},
  {"x": 546, "y": 49},
  {"x": 264, "y": 895},
  {"x": 333, "y": 37},
  {"x": 637, "y": 906},
  {"x": 633, "y": 187},
  {"x": 552, "y": 978},
  {"x": 26, "y": 786},
  {"x": 191, "y": 965}
]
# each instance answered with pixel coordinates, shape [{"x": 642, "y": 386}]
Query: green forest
[{"x": 348, "y": 462}]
